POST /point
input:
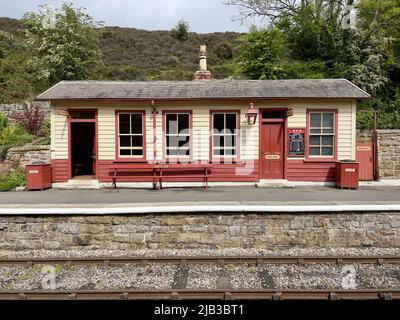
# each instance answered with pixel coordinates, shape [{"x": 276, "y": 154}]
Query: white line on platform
[{"x": 201, "y": 209}]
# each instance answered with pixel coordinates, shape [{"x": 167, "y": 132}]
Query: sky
[{"x": 203, "y": 15}]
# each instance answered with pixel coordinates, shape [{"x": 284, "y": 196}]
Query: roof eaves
[{"x": 51, "y": 88}]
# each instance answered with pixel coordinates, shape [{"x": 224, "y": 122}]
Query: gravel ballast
[{"x": 210, "y": 276}]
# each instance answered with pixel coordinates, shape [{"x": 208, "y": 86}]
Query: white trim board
[{"x": 271, "y": 209}]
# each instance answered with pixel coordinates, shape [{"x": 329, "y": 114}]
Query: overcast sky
[{"x": 203, "y": 15}]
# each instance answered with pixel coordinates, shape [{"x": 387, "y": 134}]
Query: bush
[
  {"x": 181, "y": 31},
  {"x": 31, "y": 117},
  {"x": 3, "y": 121},
  {"x": 11, "y": 180},
  {"x": 13, "y": 136}
]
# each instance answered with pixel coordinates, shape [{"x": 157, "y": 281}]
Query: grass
[{"x": 11, "y": 180}]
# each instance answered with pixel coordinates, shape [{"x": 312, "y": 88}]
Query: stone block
[{"x": 82, "y": 239}]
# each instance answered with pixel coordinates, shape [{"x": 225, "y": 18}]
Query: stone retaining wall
[
  {"x": 6, "y": 109},
  {"x": 389, "y": 154},
  {"x": 29, "y": 154},
  {"x": 200, "y": 231}
]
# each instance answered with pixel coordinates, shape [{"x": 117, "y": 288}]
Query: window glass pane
[
  {"x": 327, "y": 151},
  {"x": 327, "y": 130},
  {"x": 125, "y": 152},
  {"x": 314, "y": 140},
  {"x": 218, "y": 125},
  {"x": 172, "y": 152},
  {"x": 217, "y": 141},
  {"x": 124, "y": 123},
  {"x": 229, "y": 141},
  {"x": 83, "y": 114},
  {"x": 315, "y": 131},
  {"x": 137, "y": 141},
  {"x": 314, "y": 151},
  {"x": 136, "y": 123},
  {"x": 231, "y": 123},
  {"x": 171, "y": 123},
  {"x": 183, "y": 123},
  {"x": 229, "y": 152},
  {"x": 327, "y": 140},
  {"x": 315, "y": 119},
  {"x": 183, "y": 141},
  {"x": 124, "y": 141},
  {"x": 327, "y": 119},
  {"x": 183, "y": 152},
  {"x": 172, "y": 141},
  {"x": 216, "y": 152},
  {"x": 137, "y": 152}
]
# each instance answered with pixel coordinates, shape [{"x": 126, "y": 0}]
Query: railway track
[
  {"x": 221, "y": 261},
  {"x": 201, "y": 294},
  {"x": 366, "y": 294}
]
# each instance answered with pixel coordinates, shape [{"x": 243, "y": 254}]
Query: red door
[
  {"x": 272, "y": 152},
  {"x": 365, "y": 156}
]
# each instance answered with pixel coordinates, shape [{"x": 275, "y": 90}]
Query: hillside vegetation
[{"x": 133, "y": 54}]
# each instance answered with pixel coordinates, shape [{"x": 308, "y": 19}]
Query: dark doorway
[{"x": 83, "y": 149}]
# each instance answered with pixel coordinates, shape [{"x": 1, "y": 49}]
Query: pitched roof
[{"x": 213, "y": 89}]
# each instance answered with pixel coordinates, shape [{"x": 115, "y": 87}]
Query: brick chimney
[{"x": 203, "y": 73}]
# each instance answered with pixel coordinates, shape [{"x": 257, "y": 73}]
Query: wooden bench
[
  {"x": 187, "y": 171},
  {"x": 137, "y": 171},
  {"x": 160, "y": 172}
]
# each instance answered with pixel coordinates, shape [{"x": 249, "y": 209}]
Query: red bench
[{"x": 159, "y": 172}]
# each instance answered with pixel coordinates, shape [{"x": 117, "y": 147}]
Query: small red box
[
  {"x": 347, "y": 174},
  {"x": 38, "y": 176}
]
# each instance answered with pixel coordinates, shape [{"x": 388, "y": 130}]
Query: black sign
[{"x": 296, "y": 142}]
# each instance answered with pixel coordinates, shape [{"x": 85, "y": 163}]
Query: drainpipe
[{"x": 154, "y": 130}]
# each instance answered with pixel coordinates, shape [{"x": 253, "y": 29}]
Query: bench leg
[
  {"x": 114, "y": 180},
  {"x": 206, "y": 180}
]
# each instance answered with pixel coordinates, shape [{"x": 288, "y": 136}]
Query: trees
[
  {"x": 320, "y": 42},
  {"x": 260, "y": 54},
  {"x": 63, "y": 44},
  {"x": 181, "y": 30}
]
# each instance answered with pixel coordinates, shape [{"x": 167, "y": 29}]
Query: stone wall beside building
[
  {"x": 389, "y": 154},
  {"x": 200, "y": 231},
  {"x": 29, "y": 154},
  {"x": 7, "y": 109}
]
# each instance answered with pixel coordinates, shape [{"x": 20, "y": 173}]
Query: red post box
[
  {"x": 347, "y": 174},
  {"x": 38, "y": 176}
]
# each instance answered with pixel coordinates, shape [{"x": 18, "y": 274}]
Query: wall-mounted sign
[
  {"x": 272, "y": 157},
  {"x": 61, "y": 112},
  {"x": 296, "y": 142}
]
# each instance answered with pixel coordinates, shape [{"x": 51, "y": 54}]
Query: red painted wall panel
[
  {"x": 298, "y": 170},
  {"x": 59, "y": 170}
]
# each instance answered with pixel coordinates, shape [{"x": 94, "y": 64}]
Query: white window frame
[
  {"x": 178, "y": 135},
  {"x": 235, "y": 135},
  {"x": 131, "y": 135},
  {"x": 322, "y": 134}
]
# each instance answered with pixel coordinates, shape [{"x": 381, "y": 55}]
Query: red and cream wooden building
[{"x": 301, "y": 129}]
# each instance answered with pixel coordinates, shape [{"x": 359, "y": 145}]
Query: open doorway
[{"x": 83, "y": 150}]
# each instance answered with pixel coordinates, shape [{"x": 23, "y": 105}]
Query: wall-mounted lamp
[{"x": 251, "y": 114}]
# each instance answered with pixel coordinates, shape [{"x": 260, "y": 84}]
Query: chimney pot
[{"x": 203, "y": 73}]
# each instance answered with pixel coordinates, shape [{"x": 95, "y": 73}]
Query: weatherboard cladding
[{"x": 213, "y": 89}]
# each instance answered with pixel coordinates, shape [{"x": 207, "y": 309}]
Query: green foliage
[
  {"x": 11, "y": 180},
  {"x": 261, "y": 52},
  {"x": 63, "y": 44},
  {"x": 3, "y": 122},
  {"x": 12, "y": 136},
  {"x": 181, "y": 30},
  {"x": 306, "y": 39}
]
